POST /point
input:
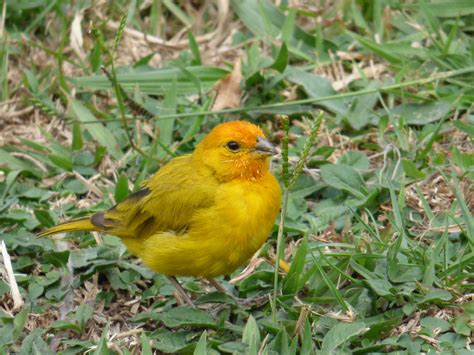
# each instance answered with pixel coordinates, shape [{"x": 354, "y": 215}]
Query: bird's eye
[{"x": 233, "y": 145}]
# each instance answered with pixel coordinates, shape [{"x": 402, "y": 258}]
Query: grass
[{"x": 377, "y": 224}]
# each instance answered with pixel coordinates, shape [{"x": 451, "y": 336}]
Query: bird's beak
[{"x": 264, "y": 147}]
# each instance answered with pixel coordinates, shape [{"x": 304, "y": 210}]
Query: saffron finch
[{"x": 203, "y": 214}]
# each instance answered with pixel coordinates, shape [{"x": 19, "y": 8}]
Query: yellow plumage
[{"x": 203, "y": 214}]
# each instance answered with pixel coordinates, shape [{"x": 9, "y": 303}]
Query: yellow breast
[{"x": 222, "y": 237}]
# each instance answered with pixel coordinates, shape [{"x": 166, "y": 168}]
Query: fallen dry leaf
[
  {"x": 228, "y": 90},
  {"x": 254, "y": 263},
  {"x": 76, "y": 40},
  {"x": 371, "y": 71}
]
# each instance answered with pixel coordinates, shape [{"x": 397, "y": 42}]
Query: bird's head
[{"x": 235, "y": 150}]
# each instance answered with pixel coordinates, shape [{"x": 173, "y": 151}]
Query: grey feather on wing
[{"x": 98, "y": 220}]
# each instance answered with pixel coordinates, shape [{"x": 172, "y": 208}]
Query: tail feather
[{"x": 80, "y": 224}]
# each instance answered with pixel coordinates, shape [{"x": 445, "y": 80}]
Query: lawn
[{"x": 370, "y": 104}]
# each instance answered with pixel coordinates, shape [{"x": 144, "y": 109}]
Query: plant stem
[{"x": 288, "y": 185}]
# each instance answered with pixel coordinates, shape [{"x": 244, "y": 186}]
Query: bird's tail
[{"x": 80, "y": 224}]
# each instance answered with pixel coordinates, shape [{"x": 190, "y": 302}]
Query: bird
[{"x": 202, "y": 214}]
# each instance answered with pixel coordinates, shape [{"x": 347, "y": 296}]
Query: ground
[{"x": 376, "y": 227}]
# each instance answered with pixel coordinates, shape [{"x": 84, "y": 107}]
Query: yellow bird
[{"x": 203, "y": 214}]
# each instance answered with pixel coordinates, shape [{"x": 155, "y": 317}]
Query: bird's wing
[{"x": 166, "y": 202}]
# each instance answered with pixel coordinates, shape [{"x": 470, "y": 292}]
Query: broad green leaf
[
  {"x": 382, "y": 324},
  {"x": 292, "y": 282},
  {"x": 34, "y": 145},
  {"x": 287, "y": 30},
  {"x": 462, "y": 324},
  {"x": 233, "y": 347},
  {"x": 216, "y": 297},
  {"x": 468, "y": 308},
  {"x": 355, "y": 159},
  {"x": 201, "y": 346},
  {"x": 35, "y": 290},
  {"x": 77, "y": 141},
  {"x": 421, "y": 114},
  {"x": 306, "y": 339},
  {"x": 316, "y": 86},
  {"x": 251, "y": 336},
  {"x": 194, "y": 46},
  {"x": 266, "y": 21},
  {"x": 57, "y": 258},
  {"x": 345, "y": 178},
  {"x": 454, "y": 343},
  {"x": 49, "y": 278},
  {"x": 100, "y": 133},
  {"x": 172, "y": 342},
  {"x": 34, "y": 344},
  {"x": 465, "y": 127},
  {"x": 450, "y": 8},
  {"x": 20, "y": 321},
  {"x": 146, "y": 348},
  {"x": 466, "y": 212},
  {"x": 361, "y": 108},
  {"x": 166, "y": 126},
  {"x": 44, "y": 217},
  {"x": 340, "y": 334},
  {"x": 24, "y": 262},
  {"x": 281, "y": 60},
  {"x": 380, "y": 285},
  {"x": 181, "y": 316},
  {"x": 437, "y": 295},
  {"x": 280, "y": 343},
  {"x": 83, "y": 314},
  {"x": 65, "y": 325},
  {"x": 76, "y": 186},
  {"x": 431, "y": 325},
  {"x": 399, "y": 273},
  {"x": 61, "y": 161},
  {"x": 121, "y": 188},
  {"x": 411, "y": 170},
  {"x": 328, "y": 211},
  {"x": 12, "y": 163},
  {"x": 37, "y": 194},
  {"x": 102, "y": 348},
  {"x": 382, "y": 50}
]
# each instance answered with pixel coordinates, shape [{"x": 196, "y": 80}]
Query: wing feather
[{"x": 166, "y": 202}]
